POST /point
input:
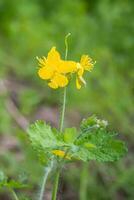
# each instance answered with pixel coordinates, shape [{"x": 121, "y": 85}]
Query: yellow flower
[
  {"x": 54, "y": 69},
  {"x": 61, "y": 154},
  {"x": 86, "y": 64}
]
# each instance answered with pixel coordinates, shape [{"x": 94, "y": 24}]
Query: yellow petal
[
  {"x": 45, "y": 73},
  {"x": 67, "y": 67},
  {"x": 60, "y": 80},
  {"x": 53, "y": 85},
  {"x": 61, "y": 154},
  {"x": 86, "y": 62},
  {"x": 53, "y": 58}
]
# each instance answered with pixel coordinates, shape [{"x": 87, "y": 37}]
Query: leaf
[
  {"x": 94, "y": 141},
  {"x": 44, "y": 139},
  {"x": 97, "y": 143},
  {"x": 70, "y": 134},
  {"x": 4, "y": 182},
  {"x": 3, "y": 179},
  {"x": 16, "y": 184}
]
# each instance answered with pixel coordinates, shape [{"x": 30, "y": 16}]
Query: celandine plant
[{"x": 55, "y": 148}]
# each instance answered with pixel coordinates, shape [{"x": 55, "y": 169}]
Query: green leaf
[
  {"x": 16, "y": 184},
  {"x": 69, "y": 135},
  {"x": 97, "y": 143},
  {"x": 41, "y": 133},
  {"x": 4, "y": 182},
  {"x": 94, "y": 141},
  {"x": 3, "y": 179},
  {"x": 44, "y": 139}
]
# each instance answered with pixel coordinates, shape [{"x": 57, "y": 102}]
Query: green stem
[
  {"x": 63, "y": 110},
  {"x": 57, "y": 175},
  {"x": 55, "y": 188},
  {"x": 46, "y": 172},
  {"x": 64, "y": 94},
  {"x": 84, "y": 182},
  {"x": 14, "y": 194},
  {"x": 66, "y": 45}
]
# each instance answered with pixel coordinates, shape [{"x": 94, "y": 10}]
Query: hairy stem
[
  {"x": 47, "y": 169},
  {"x": 84, "y": 182},
  {"x": 55, "y": 188},
  {"x": 14, "y": 194}
]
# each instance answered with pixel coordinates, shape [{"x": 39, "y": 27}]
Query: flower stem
[
  {"x": 63, "y": 110},
  {"x": 64, "y": 94},
  {"x": 57, "y": 175},
  {"x": 66, "y": 45},
  {"x": 47, "y": 169}
]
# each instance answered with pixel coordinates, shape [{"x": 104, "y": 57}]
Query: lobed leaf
[
  {"x": 94, "y": 141},
  {"x": 4, "y": 182},
  {"x": 44, "y": 139}
]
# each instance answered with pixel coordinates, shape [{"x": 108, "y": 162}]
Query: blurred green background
[{"x": 104, "y": 29}]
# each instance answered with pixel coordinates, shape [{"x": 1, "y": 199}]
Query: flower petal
[
  {"x": 53, "y": 58},
  {"x": 60, "y": 80},
  {"x": 67, "y": 67},
  {"x": 61, "y": 154},
  {"x": 45, "y": 73},
  {"x": 53, "y": 85}
]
